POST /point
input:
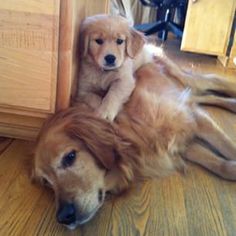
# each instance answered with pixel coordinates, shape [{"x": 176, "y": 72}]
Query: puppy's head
[
  {"x": 108, "y": 40},
  {"x": 74, "y": 155}
]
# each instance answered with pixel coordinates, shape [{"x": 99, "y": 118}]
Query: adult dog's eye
[
  {"x": 99, "y": 41},
  {"x": 119, "y": 41},
  {"x": 46, "y": 183},
  {"x": 69, "y": 159}
]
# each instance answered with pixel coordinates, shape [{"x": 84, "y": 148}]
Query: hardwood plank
[
  {"x": 170, "y": 199},
  {"x": 11, "y": 164},
  {"x": 153, "y": 208},
  {"x": 131, "y": 211},
  {"x": 18, "y": 196},
  {"x": 202, "y": 204},
  {"x": 226, "y": 192},
  {"x": 100, "y": 224}
]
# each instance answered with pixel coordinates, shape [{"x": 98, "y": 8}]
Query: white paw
[{"x": 108, "y": 114}]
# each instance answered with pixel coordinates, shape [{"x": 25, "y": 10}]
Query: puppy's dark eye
[
  {"x": 99, "y": 41},
  {"x": 69, "y": 159},
  {"x": 119, "y": 41}
]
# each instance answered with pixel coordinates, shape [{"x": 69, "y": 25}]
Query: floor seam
[{"x": 6, "y": 147}]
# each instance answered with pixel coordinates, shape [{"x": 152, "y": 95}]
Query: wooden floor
[{"x": 196, "y": 204}]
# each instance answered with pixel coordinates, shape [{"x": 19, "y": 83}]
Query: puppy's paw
[{"x": 108, "y": 114}]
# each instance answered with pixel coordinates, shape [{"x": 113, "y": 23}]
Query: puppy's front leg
[
  {"x": 91, "y": 99},
  {"x": 119, "y": 93}
]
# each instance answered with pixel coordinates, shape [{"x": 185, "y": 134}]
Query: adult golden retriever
[
  {"x": 82, "y": 156},
  {"x": 111, "y": 51}
]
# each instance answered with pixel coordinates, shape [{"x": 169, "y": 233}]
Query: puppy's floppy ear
[
  {"x": 135, "y": 42},
  {"x": 83, "y": 41},
  {"x": 98, "y": 136}
]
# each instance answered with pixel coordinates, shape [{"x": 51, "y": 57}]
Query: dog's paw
[{"x": 108, "y": 114}]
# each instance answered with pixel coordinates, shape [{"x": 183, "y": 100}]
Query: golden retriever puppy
[
  {"x": 111, "y": 51},
  {"x": 82, "y": 156}
]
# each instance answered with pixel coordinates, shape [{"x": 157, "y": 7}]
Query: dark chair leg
[
  {"x": 175, "y": 29},
  {"x": 157, "y": 27},
  {"x": 144, "y": 27},
  {"x": 167, "y": 19},
  {"x": 165, "y": 22},
  {"x": 160, "y": 17}
]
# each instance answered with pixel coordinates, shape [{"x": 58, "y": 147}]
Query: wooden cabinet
[
  {"x": 37, "y": 60},
  {"x": 229, "y": 59},
  {"x": 208, "y": 26},
  {"x": 29, "y": 55}
]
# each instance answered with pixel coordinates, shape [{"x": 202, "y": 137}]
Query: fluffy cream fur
[{"x": 106, "y": 88}]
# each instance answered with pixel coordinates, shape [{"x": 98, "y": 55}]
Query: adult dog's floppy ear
[
  {"x": 135, "y": 42},
  {"x": 97, "y": 135}
]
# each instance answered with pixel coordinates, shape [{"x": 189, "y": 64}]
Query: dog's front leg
[{"x": 118, "y": 93}]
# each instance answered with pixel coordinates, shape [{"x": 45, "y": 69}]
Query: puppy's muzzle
[{"x": 110, "y": 60}]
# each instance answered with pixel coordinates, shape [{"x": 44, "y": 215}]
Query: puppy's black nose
[
  {"x": 66, "y": 213},
  {"x": 110, "y": 59}
]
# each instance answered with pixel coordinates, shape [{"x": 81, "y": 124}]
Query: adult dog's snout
[
  {"x": 66, "y": 213},
  {"x": 110, "y": 59}
]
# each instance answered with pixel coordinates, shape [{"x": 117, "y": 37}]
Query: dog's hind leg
[
  {"x": 201, "y": 155},
  {"x": 205, "y": 84},
  {"x": 199, "y": 83},
  {"x": 222, "y": 102},
  {"x": 209, "y": 131}
]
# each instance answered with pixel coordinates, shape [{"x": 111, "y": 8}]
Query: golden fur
[
  {"x": 102, "y": 86},
  {"x": 82, "y": 156},
  {"x": 146, "y": 141},
  {"x": 149, "y": 138}
]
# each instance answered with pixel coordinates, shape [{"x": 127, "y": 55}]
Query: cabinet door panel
[
  {"x": 25, "y": 79},
  {"x": 29, "y": 54},
  {"x": 208, "y": 25}
]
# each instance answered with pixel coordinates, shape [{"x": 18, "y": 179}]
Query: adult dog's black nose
[
  {"x": 110, "y": 59},
  {"x": 66, "y": 213}
]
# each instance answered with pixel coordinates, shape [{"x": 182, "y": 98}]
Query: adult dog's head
[
  {"x": 75, "y": 154},
  {"x": 107, "y": 41}
]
